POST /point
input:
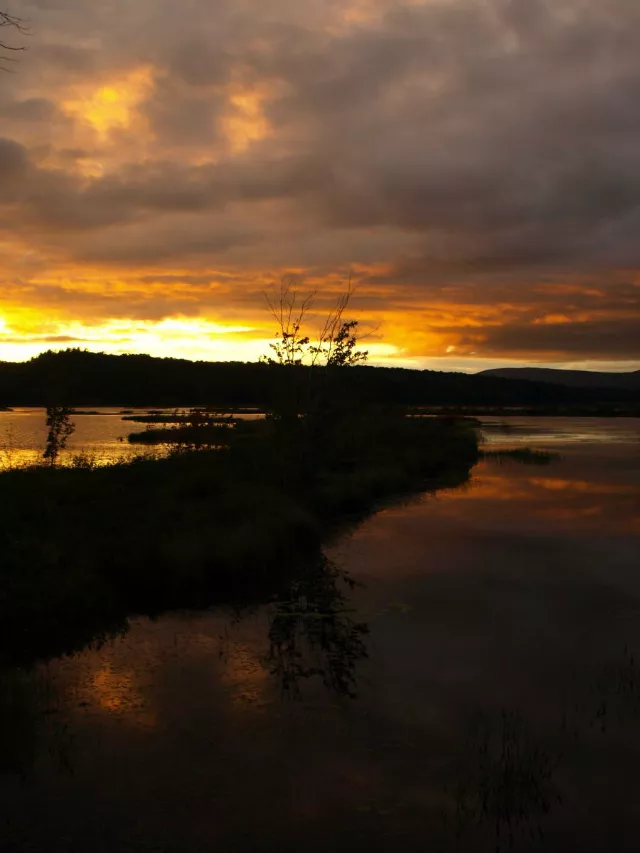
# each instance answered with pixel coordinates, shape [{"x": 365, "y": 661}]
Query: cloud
[
  {"x": 450, "y": 150},
  {"x": 14, "y": 162},
  {"x": 589, "y": 339},
  {"x": 31, "y": 109}
]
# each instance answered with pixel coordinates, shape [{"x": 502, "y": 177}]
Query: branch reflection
[{"x": 313, "y": 632}]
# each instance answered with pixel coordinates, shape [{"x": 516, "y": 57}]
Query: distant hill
[
  {"x": 571, "y": 378},
  {"x": 86, "y": 379}
]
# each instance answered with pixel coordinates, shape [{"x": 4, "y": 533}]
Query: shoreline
[{"x": 85, "y": 549}]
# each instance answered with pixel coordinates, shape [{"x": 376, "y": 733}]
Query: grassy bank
[
  {"x": 522, "y": 455},
  {"x": 83, "y": 548}
]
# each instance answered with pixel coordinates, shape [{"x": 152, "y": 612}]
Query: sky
[{"x": 472, "y": 165}]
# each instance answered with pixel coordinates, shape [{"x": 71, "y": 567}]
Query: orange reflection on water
[
  {"x": 245, "y": 676},
  {"x": 115, "y": 691},
  {"x": 584, "y": 496},
  {"x": 557, "y": 484},
  {"x": 570, "y": 513}
]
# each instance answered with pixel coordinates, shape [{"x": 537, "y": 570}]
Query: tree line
[{"x": 82, "y": 378}]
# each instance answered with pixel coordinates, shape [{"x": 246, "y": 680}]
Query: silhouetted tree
[
  {"x": 310, "y": 406},
  {"x": 60, "y": 428},
  {"x": 336, "y": 342},
  {"x": 14, "y": 23}
]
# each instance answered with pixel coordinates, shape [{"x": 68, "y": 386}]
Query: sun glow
[
  {"x": 177, "y": 337},
  {"x": 111, "y": 105}
]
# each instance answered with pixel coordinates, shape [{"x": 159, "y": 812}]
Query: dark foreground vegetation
[
  {"x": 236, "y": 510},
  {"x": 83, "y": 548},
  {"x": 523, "y": 455}
]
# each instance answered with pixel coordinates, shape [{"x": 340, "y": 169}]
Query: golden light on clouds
[
  {"x": 245, "y": 122},
  {"x": 111, "y": 104},
  {"x": 157, "y": 178},
  {"x": 216, "y": 327}
]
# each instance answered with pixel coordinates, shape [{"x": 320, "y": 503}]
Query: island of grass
[
  {"x": 83, "y": 548},
  {"x": 522, "y": 455},
  {"x": 184, "y": 416}
]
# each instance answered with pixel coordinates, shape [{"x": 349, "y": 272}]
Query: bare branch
[
  {"x": 289, "y": 314},
  {"x": 7, "y": 20},
  {"x": 335, "y": 344}
]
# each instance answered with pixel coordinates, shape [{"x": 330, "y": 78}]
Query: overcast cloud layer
[{"x": 477, "y": 166}]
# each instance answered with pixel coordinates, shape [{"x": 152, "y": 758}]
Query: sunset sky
[{"x": 474, "y": 165}]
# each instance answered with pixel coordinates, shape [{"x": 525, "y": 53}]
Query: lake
[
  {"x": 477, "y": 689},
  {"x": 100, "y": 436}
]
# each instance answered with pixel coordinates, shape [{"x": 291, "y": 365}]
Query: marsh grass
[
  {"x": 618, "y": 692},
  {"x": 523, "y": 455},
  {"x": 505, "y": 782},
  {"x": 84, "y": 546}
]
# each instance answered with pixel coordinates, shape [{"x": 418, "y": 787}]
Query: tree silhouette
[
  {"x": 335, "y": 345},
  {"x": 60, "y": 428},
  {"x": 14, "y": 23}
]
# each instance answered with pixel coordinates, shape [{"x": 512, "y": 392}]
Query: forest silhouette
[{"x": 81, "y": 378}]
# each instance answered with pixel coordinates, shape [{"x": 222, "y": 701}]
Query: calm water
[
  {"x": 498, "y": 704},
  {"x": 101, "y": 437}
]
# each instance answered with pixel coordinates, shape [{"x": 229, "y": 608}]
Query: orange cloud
[
  {"x": 156, "y": 179},
  {"x": 111, "y": 103}
]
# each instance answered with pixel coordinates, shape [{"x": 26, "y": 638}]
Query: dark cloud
[
  {"x": 69, "y": 59},
  {"x": 200, "y": 62},
  {"x": 163, "y": 241},
  {"x": 480, "y": 151},
  {"x": 31, "y": 109},
  {"x": 617, "y": 339},
  {"x": 181, "y": 114}
]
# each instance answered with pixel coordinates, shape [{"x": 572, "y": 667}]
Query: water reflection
[
  {"x": 100, "y": 437},
  {"x": 553, "y": 432},
  {"x": 309, "y": 630},
  {"x": 506, "y": 510},
  {"x": 313, "y": 633},
  {"x": 33, "y": 723},
  {"x": 497, "y": 684}
]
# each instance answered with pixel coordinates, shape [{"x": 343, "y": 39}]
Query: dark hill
[{"x": 571, "y": 378}]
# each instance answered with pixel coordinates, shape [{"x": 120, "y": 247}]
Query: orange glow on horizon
[
  {"x": 159, "y": 174},
  {"x": 218, "y": 313}
]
